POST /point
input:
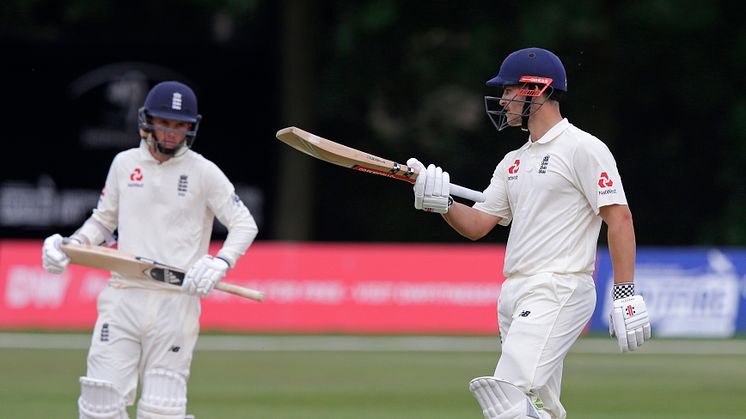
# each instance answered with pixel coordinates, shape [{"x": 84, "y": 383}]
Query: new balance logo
[
  {"x": 524, "y": 313},
  {"x": 105, "y": 332},
  {"x": 174, "y": 348}
]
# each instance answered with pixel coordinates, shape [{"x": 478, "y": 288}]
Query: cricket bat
[
  {"x": 341, "y": 155},
  {"x": 140, "y": 267}
]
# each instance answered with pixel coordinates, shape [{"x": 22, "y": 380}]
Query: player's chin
[
  {"x": 514, "y": 120},
  {"x": 171, "y": 144}
]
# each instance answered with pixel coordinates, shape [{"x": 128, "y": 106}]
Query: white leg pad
[
  {"x": 163, "y": 395},
  {"x": 100, "y": 399},
  {"x": 501, "y": 400}
]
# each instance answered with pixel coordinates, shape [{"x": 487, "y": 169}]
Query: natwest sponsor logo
[
  {"x": 604, "y": 181},
  {"x": 136, "y": 175},
  {"x": 513, "y": 170},
  {"x": 136, "y": 178}
]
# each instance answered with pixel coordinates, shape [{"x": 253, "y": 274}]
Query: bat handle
[
  {"x": 467, "y": 193},
  {"x": 240, "y": 291}
]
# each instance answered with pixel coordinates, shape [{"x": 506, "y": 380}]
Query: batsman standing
[
  {"x": 556, "y": 190},
  {"x": 162, "y": 197}
]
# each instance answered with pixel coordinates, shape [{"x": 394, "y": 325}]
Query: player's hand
[
  {"x": 629, "y": 322},
  {"x": 432, "y": 188},
  {"x": 204, "y": 274},
  {"x": 53, "y": 259}
]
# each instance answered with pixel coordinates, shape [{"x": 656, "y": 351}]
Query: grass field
[{"x": 307, "y": 378}]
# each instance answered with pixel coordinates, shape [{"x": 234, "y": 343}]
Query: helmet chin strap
[{"x": 525, "y": 114}]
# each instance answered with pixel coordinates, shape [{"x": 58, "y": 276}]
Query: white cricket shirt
[
  {"x": 552, "y": 190},
  {"x": 165, "y": 211}
]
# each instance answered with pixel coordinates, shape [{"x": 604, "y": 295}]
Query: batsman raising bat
[
  {"x": 556, "y": 190},
  {"x": 162, "y": 197}
]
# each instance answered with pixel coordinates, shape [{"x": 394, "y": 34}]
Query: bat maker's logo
[
  {"x": 382, "y": 173},
  {"x": 172, "y": 277},
  {"x": 375, "y": 159}
]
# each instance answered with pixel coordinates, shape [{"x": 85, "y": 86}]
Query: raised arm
[{"x": 469, "y": 222}]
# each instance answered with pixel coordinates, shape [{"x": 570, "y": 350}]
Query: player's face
[
  {"x": 170, "y": 133},
  {"x": 512, "y": 104}
]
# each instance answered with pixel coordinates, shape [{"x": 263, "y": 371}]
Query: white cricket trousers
[
  {"x": 540, "y": 318},
  {"x": 138, "y": 330}
]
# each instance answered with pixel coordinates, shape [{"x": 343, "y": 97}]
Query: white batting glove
[
  {"x": 432, "y": 188},
  {"x": 204, "y": 274},
  {"x": 53, "y": 259},
  {"x": 629, "y": 321}
]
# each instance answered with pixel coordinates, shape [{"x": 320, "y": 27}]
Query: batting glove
[
  {"x": 629, "y": 321},
  {"x": 432, "y": 188},
  {"x": 204, "y": 274},
  {"x": 53, "y": 259}
]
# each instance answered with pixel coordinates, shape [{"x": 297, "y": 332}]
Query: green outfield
[{"x": 296, "y": 377}]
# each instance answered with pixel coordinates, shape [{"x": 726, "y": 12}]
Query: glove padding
[
  {"x": 204, "y": 274},
  {"x": 53, "y": 259},
  {"x": 629, "y": 322},
  {"x": 432, "y": 188}
]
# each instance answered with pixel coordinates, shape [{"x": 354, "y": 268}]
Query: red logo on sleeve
[
  {"x": 604, "y": 181},
  {"x": 136, "y": 175},
  {"x": 514, "y": 168}
]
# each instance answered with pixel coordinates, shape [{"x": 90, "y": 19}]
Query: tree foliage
[{"x": 659, "y": 81}]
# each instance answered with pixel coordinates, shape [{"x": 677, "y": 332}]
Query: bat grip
[
  {"x": 240, "y": 291},
  {"x": 467, "y": 193}
]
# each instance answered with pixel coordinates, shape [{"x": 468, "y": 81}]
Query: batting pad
[
  {"x": 501, "y": 400},
  {"x": 163, "y": 395},
  {"x": 100, "y": 399}
]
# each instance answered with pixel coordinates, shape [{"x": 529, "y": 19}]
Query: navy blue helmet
[
  {"x": 170, "y": 100},
  {"x": 530, "y": 68},
  {"x": 535, "y": 62}
]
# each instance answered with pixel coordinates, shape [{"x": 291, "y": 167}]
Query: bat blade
[
  {"x": 109, "y": 259},
  {"x": 341, "y": 155},
  {"x": 345, "y": 156}
]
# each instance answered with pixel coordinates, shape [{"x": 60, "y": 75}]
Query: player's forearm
[
  {"x": 622, "y": 248},
  {"x": 469, "y": 222},
  {"x": 241, "y": 233}
]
